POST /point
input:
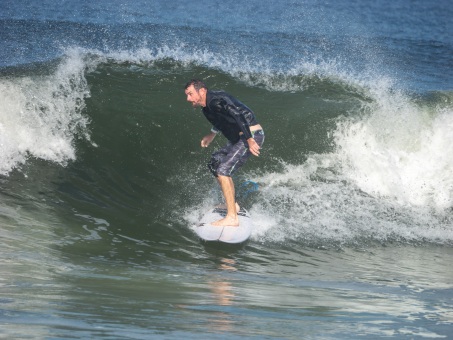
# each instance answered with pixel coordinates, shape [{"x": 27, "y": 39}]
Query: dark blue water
[{"x": 102, "y": 175}]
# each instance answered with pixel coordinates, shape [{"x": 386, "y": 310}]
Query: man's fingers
[{"x": 255, "y": 151}]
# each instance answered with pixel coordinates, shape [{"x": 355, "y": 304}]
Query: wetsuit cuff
[{"x": 247, "y": 134}]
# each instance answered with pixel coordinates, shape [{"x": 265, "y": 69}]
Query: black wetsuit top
[{"x": 228, "y": 115}]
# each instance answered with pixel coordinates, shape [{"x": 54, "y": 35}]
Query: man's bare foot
[{"x": 227, "y": 221}]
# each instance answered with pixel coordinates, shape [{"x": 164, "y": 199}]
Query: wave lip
[
  {"x": 400, "y": 149},
  {"x": 42, "y": 115}
]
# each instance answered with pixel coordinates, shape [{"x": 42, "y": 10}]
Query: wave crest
[{"x": 41, "y": 115}]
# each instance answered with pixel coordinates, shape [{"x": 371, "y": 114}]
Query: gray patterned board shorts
[{"x": 231, "y": 157}]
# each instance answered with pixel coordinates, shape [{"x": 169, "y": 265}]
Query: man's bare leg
[
  {"x": 227, "y": 186},
  {"x": 223, "y": 206}
]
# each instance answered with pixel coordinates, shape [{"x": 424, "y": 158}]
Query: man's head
[{"x": 195, "y": 91}]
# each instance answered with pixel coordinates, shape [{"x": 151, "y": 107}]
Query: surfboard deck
[{"x": 227, "y": 234}]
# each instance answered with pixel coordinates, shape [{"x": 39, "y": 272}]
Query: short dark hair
[{"x": 197, "y": 84}]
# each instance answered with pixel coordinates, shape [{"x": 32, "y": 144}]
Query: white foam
[
  {"x": 400, "y": 150},
  {"x": 315, "y": 204},
  {"x": 41, "y": 115},
  {"x": 390, "y": 178}
]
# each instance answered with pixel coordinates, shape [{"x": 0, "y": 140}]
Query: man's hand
[
  {"x": 207, "y": 140},
  {"x": 253, "y": 147}
]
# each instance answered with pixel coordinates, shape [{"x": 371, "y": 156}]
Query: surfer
[{"x": 239, "y": 125}]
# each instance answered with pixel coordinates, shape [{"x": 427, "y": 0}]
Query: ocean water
[{"x": 102, "y": 175}]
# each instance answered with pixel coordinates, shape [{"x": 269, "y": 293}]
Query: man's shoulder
[
  {"x": 217, "y": 94},
  {"x": 217, "y": 98}
]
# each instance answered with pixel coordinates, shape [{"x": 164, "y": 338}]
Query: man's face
[{"x": 197, "y": 98}]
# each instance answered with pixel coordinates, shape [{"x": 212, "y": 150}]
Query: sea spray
[
  {"x": 387, "y": 179},
  {"x": 400, "y": 150},
  {"x": 41, "y": 115},
  {"x": 314, "y": 203}
]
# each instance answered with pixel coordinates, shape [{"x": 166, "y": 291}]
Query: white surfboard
[{"x": 227, "y": 234}]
